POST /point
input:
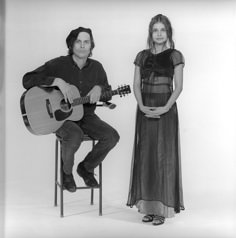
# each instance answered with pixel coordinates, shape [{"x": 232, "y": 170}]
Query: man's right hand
[{"x": 65, "y": 89}]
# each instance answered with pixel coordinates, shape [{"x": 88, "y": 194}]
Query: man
[{"x": 90, "y": 78}]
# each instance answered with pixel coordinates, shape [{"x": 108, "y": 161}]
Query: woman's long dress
[{"x": 155, "y": 183}]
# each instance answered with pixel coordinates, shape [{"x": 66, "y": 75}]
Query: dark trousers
[{"x": 71, "y": 134}]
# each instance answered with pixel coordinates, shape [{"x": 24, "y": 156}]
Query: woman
[{"x": 155, "y": 184}]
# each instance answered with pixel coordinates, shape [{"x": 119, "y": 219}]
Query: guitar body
[{"x": 44, "y": 110}]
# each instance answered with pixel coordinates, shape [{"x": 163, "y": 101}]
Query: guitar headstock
[{"x": 123, "y": 90}]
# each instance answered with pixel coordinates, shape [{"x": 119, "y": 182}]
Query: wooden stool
[{"x": 59, "y": 182}]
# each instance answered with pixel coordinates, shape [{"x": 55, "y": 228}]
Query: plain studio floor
[{"x": 29, "y": 213}]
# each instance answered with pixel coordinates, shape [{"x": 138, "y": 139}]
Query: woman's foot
[
  {"x": 158, "y": 220},
  {"x": 148, "y": 218}
]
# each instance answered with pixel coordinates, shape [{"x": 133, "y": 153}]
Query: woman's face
[
  {"x": 82, "y": 45},
  {"x": 159, "y": 33}
]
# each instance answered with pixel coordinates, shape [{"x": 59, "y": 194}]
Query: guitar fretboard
[{"x": 86, "y": 99}]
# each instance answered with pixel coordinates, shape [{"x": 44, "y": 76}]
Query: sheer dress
[{"x": 156, "y": 183}]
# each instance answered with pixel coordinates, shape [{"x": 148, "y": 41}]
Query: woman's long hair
[{"x": 166, "y": 22}]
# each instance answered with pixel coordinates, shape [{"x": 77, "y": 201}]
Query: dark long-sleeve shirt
[{"x": 65, "y": 68}]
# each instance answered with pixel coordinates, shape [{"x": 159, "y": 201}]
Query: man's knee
[
  {"x": 112, "y": 138},
  {"x": 76, "y": 137},
  {"x": 71, "y": 134}
]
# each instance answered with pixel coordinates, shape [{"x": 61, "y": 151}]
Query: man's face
[{"x": 82, "y": 45}]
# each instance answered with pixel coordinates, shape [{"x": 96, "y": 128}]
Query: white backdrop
[{"x": 203, "y": 31}]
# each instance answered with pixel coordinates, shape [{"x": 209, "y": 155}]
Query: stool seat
[
  {"x": 87, "y": 138},
  {"x": 59, "y": 182}
]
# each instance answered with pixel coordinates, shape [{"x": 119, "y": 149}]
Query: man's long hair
[{"x": 70, "y": 40}]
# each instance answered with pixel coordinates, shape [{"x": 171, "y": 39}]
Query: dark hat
[{"x": 74, "y": 33}]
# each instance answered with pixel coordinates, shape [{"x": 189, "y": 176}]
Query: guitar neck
[{"x": 86, "y": 99}]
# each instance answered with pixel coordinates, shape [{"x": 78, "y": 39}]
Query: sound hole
[{"x": 65, "y": 106}]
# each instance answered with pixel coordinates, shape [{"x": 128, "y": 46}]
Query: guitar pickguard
[{"x": 61, "y": 116}]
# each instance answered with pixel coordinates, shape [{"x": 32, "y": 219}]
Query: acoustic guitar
[{"x": 44, "y": 109}]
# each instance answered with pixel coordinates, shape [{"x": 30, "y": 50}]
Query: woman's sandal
[
  {"x": 148, "y": 218},
  {"x": 158, "y": 220}
]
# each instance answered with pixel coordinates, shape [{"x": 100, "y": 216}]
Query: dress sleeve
[
  {"x": 177, "y": 58},
  {"x": 139, "y": 58}
]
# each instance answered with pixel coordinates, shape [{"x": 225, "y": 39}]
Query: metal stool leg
[
  {"x": 56, "y": 172},
  {"x": 61, "y": 182},
  {"x": 92, "y": 196},
  {"x": 100, "y": 189},
  {"x": 58, "y": 150},
  {"x": 92, "y": 190}
]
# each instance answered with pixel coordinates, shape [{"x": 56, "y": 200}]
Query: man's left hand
[{"x": 95, "y": 94}]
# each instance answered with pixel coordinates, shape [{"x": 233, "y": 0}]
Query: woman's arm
[
  {"x": 178, "y": 87},
  {"x": 137, "y": 86},
  {"x": 137, "y": 92}
]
